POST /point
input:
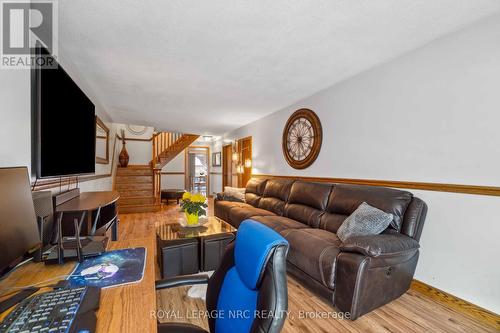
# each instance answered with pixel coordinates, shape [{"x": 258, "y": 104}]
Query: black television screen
[{"x": 65, "y": 124}]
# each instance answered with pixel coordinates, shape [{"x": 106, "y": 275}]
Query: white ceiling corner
[{"x": 212, "y": 66}]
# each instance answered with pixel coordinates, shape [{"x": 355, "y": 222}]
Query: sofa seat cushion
[
  {"x": 222, "y": 208},
  {"x": 238, "y": 214},
  {"x": 314, "y": 251},
  {"x": 279, "y": 223}
]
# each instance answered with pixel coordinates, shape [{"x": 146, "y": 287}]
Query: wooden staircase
[
  {"x": 140, "y": 185},
  {"x": 135, "y": 184},
  {"x": 169, "y": 148}
]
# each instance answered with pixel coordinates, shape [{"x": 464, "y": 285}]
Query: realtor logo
[{"x": 24, "y": 25}]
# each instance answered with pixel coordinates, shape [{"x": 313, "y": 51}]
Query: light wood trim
[
  {"x": 438, "y": 187},
  {"x": 484, "y": 316},
  {"x": 52, "y": 183},
  {"x": 186, "y": 173},
  {"x": 135, "y": 139},
  {"x": 100, "y": 123},
  {"x": 138, "y": 139}
]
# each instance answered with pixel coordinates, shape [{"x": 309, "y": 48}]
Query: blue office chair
[{"x": 248, "y": 292}]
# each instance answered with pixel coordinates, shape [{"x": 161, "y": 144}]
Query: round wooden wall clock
[{"x": 302, "y": 137}]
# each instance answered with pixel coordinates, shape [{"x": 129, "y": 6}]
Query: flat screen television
[{"x": 64, "y": 123}]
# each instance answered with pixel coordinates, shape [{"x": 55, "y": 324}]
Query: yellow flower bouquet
[{"x": 194, "y": 205}]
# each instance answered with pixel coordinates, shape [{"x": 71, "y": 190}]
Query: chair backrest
[{"x": 250, "y": 283}]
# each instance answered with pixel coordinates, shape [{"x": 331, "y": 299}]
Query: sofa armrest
[
  {"x": 219, "y": 196},
  {"x": 380, "y": 245}
]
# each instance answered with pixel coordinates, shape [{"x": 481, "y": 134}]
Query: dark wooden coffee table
[
  {"x": 172, "y": 194},
  {"x": 170, "y": 230},
  {"x": 187, "y": 250}
]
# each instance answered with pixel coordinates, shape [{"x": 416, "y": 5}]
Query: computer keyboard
[{"x": 59, "y": 311}]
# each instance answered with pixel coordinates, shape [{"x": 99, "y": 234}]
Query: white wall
[
  {"x": 216, "y": 172},
  {"x": 176, "y": 165},
  {"x": 15, "y": 126},
  {"x": 15, "y": 118},
  {"x": 431, "y": 115},
  {"x": 140, "y": 152}
]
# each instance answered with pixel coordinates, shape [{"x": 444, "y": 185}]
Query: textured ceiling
[{"x": 212, "y": 66}]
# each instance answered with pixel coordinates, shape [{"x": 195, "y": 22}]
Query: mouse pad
[{"x": 111, "y": 269}]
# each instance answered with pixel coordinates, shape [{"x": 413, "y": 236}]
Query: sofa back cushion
[
  {"x": 345, "y": 199},
  {"x": 275, "y": 195},
  {"x": 307, "y": 201},
  {"x": 255, "y": 189}
]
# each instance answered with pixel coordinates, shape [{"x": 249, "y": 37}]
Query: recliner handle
[{"x": 181, "y": 280}]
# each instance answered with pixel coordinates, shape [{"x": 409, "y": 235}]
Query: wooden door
[{"x": 245, "y": 150}]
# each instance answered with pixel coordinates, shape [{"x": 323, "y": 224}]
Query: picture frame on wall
[{"x": 216, "y": 159}]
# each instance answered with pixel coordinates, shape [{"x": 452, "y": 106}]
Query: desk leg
[
  {"x": 78, "y": 226},
  {"x": 60, "y": 246},
  {"x": 94, "y": 224},
  {"x": 114, "y": 229}
]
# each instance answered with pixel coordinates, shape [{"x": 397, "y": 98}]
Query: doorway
[{"x": 198, "y": 170}]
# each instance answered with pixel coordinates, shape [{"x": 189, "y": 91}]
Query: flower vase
[
  {"x": 123, "y": 158},
  {"x": 192, "y": 219}
]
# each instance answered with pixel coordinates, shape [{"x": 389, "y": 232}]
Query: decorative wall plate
[
  {"x": 302, "y": 137},
  {"x": 136, "y": 129}
]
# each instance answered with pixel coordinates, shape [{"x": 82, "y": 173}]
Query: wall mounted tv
[{"x": 63, "y": 123}]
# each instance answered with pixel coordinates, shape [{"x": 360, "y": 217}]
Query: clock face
[{"x": 302, "y": 138}]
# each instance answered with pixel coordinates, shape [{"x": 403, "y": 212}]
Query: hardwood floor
[{"x": 413, "y": 312}]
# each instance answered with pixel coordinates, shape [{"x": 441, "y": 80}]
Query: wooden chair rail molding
[
  {"x": 173, "y": 173},
  {"x": 438, "y": 187}
]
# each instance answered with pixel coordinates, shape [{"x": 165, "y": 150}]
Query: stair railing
[
  {"x": 157, "y": 185},
  {"x": 161, "y": 142}
]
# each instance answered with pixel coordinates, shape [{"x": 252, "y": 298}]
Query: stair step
[
  {"x": 136, "y": 193},
  {"x": 125, "y": 186},
  {"x": 134, "y": 172},
  {"x": 126, "y": 209},
  {"x": 136, "y": 200},
  {"x": 133, "y": 179}
]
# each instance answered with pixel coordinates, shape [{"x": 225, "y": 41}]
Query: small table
[
  {"x": 85, "y": 204},
  {"x": 183, "y": 250},
  {"x": 172, "y": 194}
]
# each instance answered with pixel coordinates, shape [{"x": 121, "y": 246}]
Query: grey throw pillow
[
  {"x": 365, "y": 220},
  {"x": 234, "y": 194}
]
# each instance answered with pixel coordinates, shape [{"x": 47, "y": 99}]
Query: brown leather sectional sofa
[{"x": 358, "y": 275}]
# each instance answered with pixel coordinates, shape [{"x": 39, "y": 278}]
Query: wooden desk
[
  {"x": 85, "y": 204},
  {"x": 89, "y": 201},
  {"x": 122, "y": 309}
]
